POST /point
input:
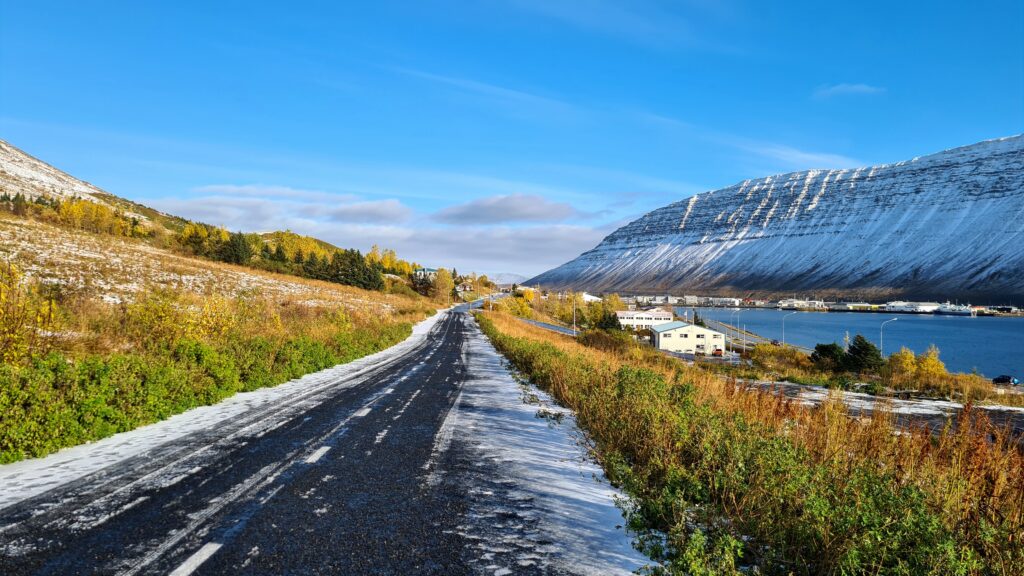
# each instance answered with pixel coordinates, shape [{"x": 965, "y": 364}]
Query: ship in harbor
[
  {"x": 902, "y": 307},
  {"x": 949, "y": 309}
]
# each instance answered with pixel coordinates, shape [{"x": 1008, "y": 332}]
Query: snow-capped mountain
[
  {"x": 502, "y": 278},
  {"x": 947, "y": 225}
]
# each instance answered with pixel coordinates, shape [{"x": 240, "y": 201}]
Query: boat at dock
[
  {"x": 949, "y": 309},
  {"x": 912, "y": 307}
]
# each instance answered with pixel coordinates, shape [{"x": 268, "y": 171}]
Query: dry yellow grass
[{"x": 116, "y": 269}]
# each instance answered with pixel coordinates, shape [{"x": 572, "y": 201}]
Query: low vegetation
[
  {"x": 564, "y": 308},
  {"x": 861, "y": 365},
  {"x": 76, "y": 369},
  {"x": 724, "y": 479},
  {"x": 77, "y": 214}
]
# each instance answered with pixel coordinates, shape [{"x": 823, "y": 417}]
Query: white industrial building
[
  {"x": 724, "y": 302},
  {"x": 801, "y": 304},
  {"x": 643, "y": 319},
  {"x": 687, "y": 338}
]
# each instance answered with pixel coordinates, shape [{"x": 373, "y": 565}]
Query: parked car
[
  {"x": 717, "y": 353},
  {"x": 1006, "y": 379}
]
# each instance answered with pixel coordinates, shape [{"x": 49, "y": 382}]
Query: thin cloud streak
[
  {"x": 785, "y": 157},
  {"x": 829, "y": 91},
  {"x": 501, "y": 94},
  {"x": 638, "y": 22}
]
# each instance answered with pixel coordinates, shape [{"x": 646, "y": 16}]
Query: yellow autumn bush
[{"x": 27, "y": 318}]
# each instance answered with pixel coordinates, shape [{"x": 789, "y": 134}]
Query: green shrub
[{"x": 53, "y": 402}]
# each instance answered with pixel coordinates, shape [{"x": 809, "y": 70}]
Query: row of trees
[
  {"x": 76, "y": 213},
  {"x": 347, "y": 267},
  {"x": 389, "y": 262}
]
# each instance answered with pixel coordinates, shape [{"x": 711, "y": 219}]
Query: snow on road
[
  {"x": 28, "y": 478},
  {"x": 536, "y": 445}
]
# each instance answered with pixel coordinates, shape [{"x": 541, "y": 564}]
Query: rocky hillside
[{"x": 948, "y": 225}]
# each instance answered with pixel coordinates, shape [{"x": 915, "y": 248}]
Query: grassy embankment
[
  {"x": 109, "y": 334},
  {"x": 730, "y": 478}
]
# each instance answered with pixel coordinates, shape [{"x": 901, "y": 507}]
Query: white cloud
[
  {"x": 830, "y": 90},
  {"x": 527, "y": 250},
  {"x": 503, "y": 209},
  {"x": 378, "y": 211},
  {"x": 249, "y": 214}
]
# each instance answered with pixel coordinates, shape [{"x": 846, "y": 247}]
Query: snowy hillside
[
  {"x": 507, "y": 278},
  {"x": 21, "y": 173},
  {"x": 948, "y": 225}
]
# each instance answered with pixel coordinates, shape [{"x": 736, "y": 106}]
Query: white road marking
[
  {"x": 196, "y": 560},
  {"x": 381, "y": 435},
  {"x": 362, "y": 412},
  {"x": 312, "y": 459}
]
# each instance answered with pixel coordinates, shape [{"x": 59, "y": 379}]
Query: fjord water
[{"x": 992, "y": 345}]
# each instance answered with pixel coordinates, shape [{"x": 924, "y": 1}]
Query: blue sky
[{"x": 499, "y": 135}]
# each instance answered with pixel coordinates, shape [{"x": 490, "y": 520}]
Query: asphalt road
[{"x": 339, "y": 487}]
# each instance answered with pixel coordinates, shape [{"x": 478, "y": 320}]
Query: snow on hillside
[
  {"x": 118, "y": 270},
  {"x": 21, "y": 173},
  {"x": 947, "y": 225},
  {"x": 507, "y": 278}
]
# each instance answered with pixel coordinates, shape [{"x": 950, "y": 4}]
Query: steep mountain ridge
[{"x": 947, "y": 225}]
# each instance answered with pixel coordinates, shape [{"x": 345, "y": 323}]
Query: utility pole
[{"x": 573, "y": 295}]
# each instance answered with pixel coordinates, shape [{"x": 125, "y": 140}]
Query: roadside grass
[
  {"x": 725, "y": 479},
  {"x": 100, "y": 334}
]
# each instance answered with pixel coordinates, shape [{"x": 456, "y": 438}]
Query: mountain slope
[{"x": 948, "y": 225}]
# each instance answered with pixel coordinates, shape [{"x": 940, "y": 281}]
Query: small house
[{"x": 687, "y": 338}]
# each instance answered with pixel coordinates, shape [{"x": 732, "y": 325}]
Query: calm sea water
[{"x": 992, "y": 345}]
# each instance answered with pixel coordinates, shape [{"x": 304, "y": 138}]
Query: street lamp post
[
  {"x": 881, "y": 336},
  {"x": 784, "y": 326},
  {"x": 737, "y": 323},
  {"x": 573, "y": 296}
]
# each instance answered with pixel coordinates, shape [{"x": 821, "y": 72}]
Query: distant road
[{"x": 552, "y": 327}]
